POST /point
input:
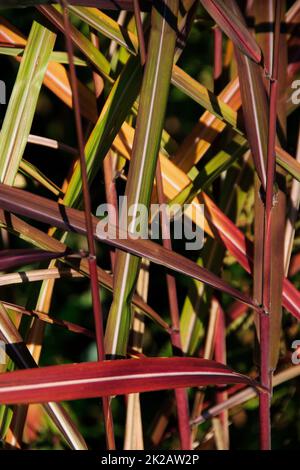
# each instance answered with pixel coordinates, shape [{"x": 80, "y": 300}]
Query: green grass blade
[
  {"x": 93, "y": 55},
  {"x": 32, "y": 172},
  {"x": 203, "y": 176},
  {"x": 107, "y": 26},
  {"x": 22, "y": 104},
  {"x": 56, "y": 56},
  {"x": 114, "y": 112},
  {"x": 204, "y": 97},
  {"x": 150, "y": 120}
]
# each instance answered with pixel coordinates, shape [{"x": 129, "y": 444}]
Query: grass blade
[
  {"x": 107, "y": 26},
  {"x": 60, "y": 216},
  {"x": 22, "y": 103},
  {"x": 92, "y": 54},
  {"x": 152, "y": 107},
  {"x": 86, "y": 380},
  {"x": 105, "y": 4},
  {"x": 36, "y": 237},
  {"x": 21, "y": 355},
  {"x": 12, "y": 258},
  {"x": 235, "y": 29},
  {"x": 56, "y": 78},
  {"x": 117, "y": 106}
]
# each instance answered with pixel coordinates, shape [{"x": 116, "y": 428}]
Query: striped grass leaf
[
  {"x": 205, "y": 131},
  {"x": 253, "y": 93},
  {"x": 69, "y": 273},
  {"x": 105, "y": 4},
  {"x": 273, "y": 219},
  {"x": 135, "y": 440},
  {"x": 199, "y": 297},
  {"x": 253, "y": 100},
  {"x": 244, "y": 395},
  {"x": 241, "y": 248},
  {"x": 35, "y": 333},
  {"x": 181, "y": 398},
  {"x": 56, "y": 56},
  {"x": 292, "y": 216},
  {"x": 203, "y": 176},
  {"x": 30, "y": 170},
  {"x": 45, "y": 317},
  {"x": 119, "y": 102},
  {"x": 114, "y": 112},
  {"x": 56, "y": 77},
  {"x": 92, "y": 54},
  {"x": 235, "y": 29},
  {"x": 152, "y": 105},
  {"x": 21, "y": 108},
  {"x": 180, "y": 79},
  {"x": 93, "y": 379},
  {"x": 102, "y": 23},
  {"x": 18, "y": 352},
  {"x": 51, "y": 143},
  {"x": 24, "y": 203},
  {"x": 218, "y": 223},
  {"x": 204, "y": 97},
  {"x": 41, "y": 240}
]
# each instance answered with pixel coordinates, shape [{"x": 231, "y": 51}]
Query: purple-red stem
[
  {"x": 140, "y": 32},
  {"x": 266, "y": 375},
  {"x": 218, "y": 56},
  {"x": 220, "y": 356},
  {"x": 180, "y": 394},
  {"x": 97, "y": 308}
]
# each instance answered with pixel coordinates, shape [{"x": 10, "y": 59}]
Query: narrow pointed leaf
[
  {"x": 92, "y": 54},
  {"x": 233, "y": 27},
  {"x": 24, "y": 203},
  {"x": 107, "y": 26},
  {"x": 105, "y": 4},
  {"x": 41, "y": 240},
  {"x": 23, "y": 100},
  {"x": 18, "y": 351},
  {"x": 114, "y": 112},
  {"x": 12, "y": 258},
  {"x": 152, "y": 106},
  {"x": 119, "y": 377},
  {"x": 56, "y": 77}
]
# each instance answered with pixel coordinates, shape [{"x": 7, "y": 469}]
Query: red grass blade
[
  {"x": 42, "y": 240},
  {"x": 105, "y": 4},
  {"x": 12, "y": 258},
  {"x": 27, "y": 204},
  {"x": 254, "y": 102},
  {"x": 242, "y": 249},
  {"x": 118, "y": 377},
  {"x": 231, "y": 24}
]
